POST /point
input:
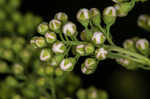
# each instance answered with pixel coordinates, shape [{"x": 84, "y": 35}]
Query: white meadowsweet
[
  {"x": 58, "y": 48},
  {"x": 38, "y": 42},
  {"x": 50, "y": 37},
  {"x": 67, "y": 64},
  {"x": 109, "y": 15},
  {"x": 101, "y": 53},
  {"x": 61, "y": 16},
  {"x": 128, "y": 43},
  {"x": 123, "y": 61},
  {"x": 98, "y": 38},
  {"x": 55, "y": 25},
  {"x": 89, "y": 66},
  {"x": 83, "y": 16},
  {"x": 43, "y": 28},
  {"x": 80, "y": 49},
  {"x": 45, "y": 54},
  {"x": 69, "y": 29},
  {"x": 142, "y": 44}
]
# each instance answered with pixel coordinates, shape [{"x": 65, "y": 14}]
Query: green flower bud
[
  {"x": 55, "y": 25},
  {"x": 3, "y": 67},
  {"x": 80, "y": 49},
  {"x": 67, "y": 64},
  {"x": 11, "y": 81},
  {"x": 6, "y": 42},
  {"x": 103, "y": 94},
  {"x": 43, "y": 28},
  {"x": 83, "y": 16},
  {"x": 49, "y": 70},
  {"x": 58, "y": 72},
  {"x": 50, "y": 37},
  {"x": 89, "y": 66},
  {"x": 109, "y": 15},
  {"x": 130, "y": 45},
  {"x": 16, "y": 17},
  {"x": 143, "y": 46},
  {"x": 142, "y": 21},
  {"x": 13, "y": 4},
  {"x": 98, "y": 38},
  {"x": 83, "y": 35},
  {"x": 16, "y": 96},
  {"x": 92, "y": 93},
  {"x": 55, "y": 61},
  {"x": 89, "y": 49},
  {"x": 101, "y": 53},
  {"x": 61, "y": 16},
  {"x": 58, "y": 47},
  {"x": 2, "y": 15},
  {"x": 45, "y": 54},
  {"x": 38, "y": 42},
  {"x": 95, "y": 16},
  {"x": 123, "y": 9},
  {"x": 8, "y": 55},
  {"x": 40, "y": 71},
  {"x": 17, "y": 69},
  {"x": 41, "y": 82},
  {"x": 81, "y": 94},
  {"x": 69, "y": 29},
  {"x": 128, "y": 64}
]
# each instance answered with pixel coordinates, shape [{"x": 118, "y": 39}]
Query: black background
[{"x": 124, "y": 28}]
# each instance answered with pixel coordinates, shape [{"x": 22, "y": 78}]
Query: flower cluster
[
  {"x": 14, "y": 21},
  {"x": 59, "y": 36}
]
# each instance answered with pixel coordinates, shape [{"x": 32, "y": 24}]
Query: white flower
[
  {"x": 110, "y": 11},
  {"x": 69, "y": 29},
  {"x": 98, "y": 38},
  {"x": 142, "y": 44},
  {"x": 67, "y": 64},
  {"x": 101, "y": 53},
  {"x": 54, "y": 25},
  {"x": 83, "y": 14},
  {"x": 58, "y": 47}
]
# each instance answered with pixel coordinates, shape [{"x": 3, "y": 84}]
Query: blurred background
[{"x": 110, "y": 76}]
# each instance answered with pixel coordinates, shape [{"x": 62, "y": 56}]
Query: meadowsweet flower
[
  {"x": 92, "y": 93},
  {"x": 89, "y": 48},
  {"x": 50, "y": 37},
  {"x": 129, "y": 44},
  {"x": 61, "y": 16},
  {"x": 109, "y": 15},
  {"x": 89, "y": 66},
  {"x": 3, "y": 67},
  {"x": 101, "y": 53},
  {"x": 45, "y": 54},
  {"x": 142, "y": 20},
  {"x": 43, "y": 28},
  {"x": 38, "y": 42},
  {"x": 58, "y": 47},
  {"x": 81, "y": 93},
  {"x": 67, "y": 64},
  {"x": 69, "y": 29},
  {"x": 41, "y": 81},
  {"x": 98, "y": 38},
  {"x": 49, "y": 70},
  {"x": 83, "y": 16},
  {"x": 95, "y": 16},
  {"x": 17, "y": 69},
  {"x": 11, "y": 81},
  {"x": 55, "y": 25},
  {"x": 143, "y": 46},
  {"x": 80, "y": 49},
  {"x": 55, "y": 61},
  {"x": 58, "y": 72}
]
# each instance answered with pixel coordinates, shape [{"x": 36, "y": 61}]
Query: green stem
[
  {"x": 108, "y": 35},
  {"x": 130, "y": 54},
  {"x": 101, "y": 29},
  {"x": 74, "y": 42},
  {"x": 132, "y": 3},
  {"x": 53, "y": 87},
  {"x": 61, "y": 37}
]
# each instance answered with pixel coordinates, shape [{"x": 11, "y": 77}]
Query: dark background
[{"x": 109, "y": 75}]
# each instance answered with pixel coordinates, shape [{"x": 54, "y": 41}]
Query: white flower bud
[
  {"x": 98, "y": 38},
  {"x": 69, "y": 29},
  {"x": 109, "y": 15},
  {"x": 43, "y": 28},
  {"x": 83, "y": 16},
  {"x": 80, "y": 49},
  {"x": 58, "y": 48},
  {"x": 50, "y": 37},
  {"x": 45, "y": 54},
  {"x": 55, "y": 25},
  {"x": 101, "y": 53},
  {"x": 61, "y": 16},
  {"x": 67, "y": 64},
  {"x": 142, "y": 44}
]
